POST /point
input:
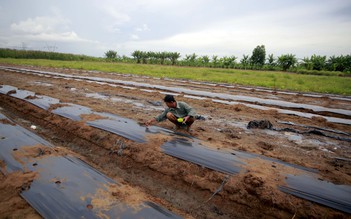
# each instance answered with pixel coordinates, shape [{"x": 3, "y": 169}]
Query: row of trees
[
  {"x": 33, "y": 54},
  {"x": 258, "y": 60}
]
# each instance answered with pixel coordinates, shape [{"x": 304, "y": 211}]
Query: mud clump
[
  {"x": 262, "y": 124},
  {"x": 230, "y": 133},
  {"x": 253, "y": 184},
  {"x": 31, "y": 97},
  {"x": 266, "y": 146},
  {"x": 11, "y": 92},
  {"x": 12, "y": 205}
]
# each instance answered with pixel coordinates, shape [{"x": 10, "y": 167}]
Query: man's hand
[
  {"x": 147, "y": 123},
  {"x": 151, "y": 121},
  {"x": 185, "y": 119}
]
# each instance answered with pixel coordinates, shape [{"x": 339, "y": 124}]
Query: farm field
[
  {"x": 331, "y": 83},
  {"x": 273, "y": 138}
]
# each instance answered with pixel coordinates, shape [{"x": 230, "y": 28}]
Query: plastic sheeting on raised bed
[
  {"x": 72, "y": 111},
  {"x": 127, "y": 128},
  {"x": 41, "y": 101},
  {"x": 66, "y": 187},
  {"x": 201, "y": 93},
  {"x": 322, "y": 192},
  {"x": 192, "y": 150}
]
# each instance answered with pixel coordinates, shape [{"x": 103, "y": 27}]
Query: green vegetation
[
  {"x": 287, "y": 61},
  {"x": 258, "y": 57},
  {"x": 271, "y": 79},
  {"x": 29, "y": 54},
  {"x": 314, "y": 74}
]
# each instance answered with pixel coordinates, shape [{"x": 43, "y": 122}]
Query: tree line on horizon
[
  {"x": 257, "y": 61},
  {"x": 316, "y": 64}
]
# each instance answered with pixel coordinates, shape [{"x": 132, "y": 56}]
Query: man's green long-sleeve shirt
[{"x": 182, "y": 110}]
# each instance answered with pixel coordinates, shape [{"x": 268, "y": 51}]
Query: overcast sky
[{"x": 203, "y": 27}]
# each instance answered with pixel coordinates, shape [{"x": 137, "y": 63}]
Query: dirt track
[{"x": 178, "y": 185}]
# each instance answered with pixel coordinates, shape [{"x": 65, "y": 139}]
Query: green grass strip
[{"x": 269, "y": 79}]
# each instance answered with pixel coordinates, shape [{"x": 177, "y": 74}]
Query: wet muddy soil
[{"x": 185, "y": 188}]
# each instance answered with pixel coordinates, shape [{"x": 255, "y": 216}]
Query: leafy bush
[{"x": 287, "y": 61}]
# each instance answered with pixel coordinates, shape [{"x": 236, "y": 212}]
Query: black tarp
[
  {"x": 41, "y": 101},
  {"x": 65, "y": 186},
  {"x": 193, "y": 150},
  {"x": 125, "y": 127},
  {"x": 72, "y": 111},
  {"x": 322, "y": 192}
]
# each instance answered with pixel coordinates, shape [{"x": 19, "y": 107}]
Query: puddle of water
[
  {"x": 325, "y": 150},
  {"x": 195, "y": 97},
  {"x": 130, "y": 88},
  {"x": 293, "y": 137},
  {"x": 137, "y": 104},
  {"x": 237, "y": 124},
  {"x": 287, "y": 112},
  {"x": 314, "y": 127},
  {"x": 97, "y": 96},
  {"x": 147, "y": 90},
  {"x": 169, "y": 93},
  {"x": 42, "y": 84}
]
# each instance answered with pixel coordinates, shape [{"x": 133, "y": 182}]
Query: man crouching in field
[{"x": 178, "y": 112}]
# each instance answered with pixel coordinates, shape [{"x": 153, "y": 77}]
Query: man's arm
[
  {"x": 190, "y": 111},
  {"x": 150, "y": 122},
  {"x": 158, "y": 118}
]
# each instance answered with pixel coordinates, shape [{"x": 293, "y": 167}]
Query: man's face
[{"x": 171, "y": 104}]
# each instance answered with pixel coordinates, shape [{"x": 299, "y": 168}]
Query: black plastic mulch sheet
[
  {"x": 127, "y": 128},
  {"x": 12, "y": 138},
  {"x": 69, "y": 188},
  {"x": 322, "y": 192},
  {"x": 231, "y": 162},
  {"x": 223, "y": 96},
  {"x": 65, "y": 186},
  {"x": 4, "y": 89},
  {"x": 72, "y": 111},
  {"x": 41, "y": 101},
  {"x": 191, "y": 150}
]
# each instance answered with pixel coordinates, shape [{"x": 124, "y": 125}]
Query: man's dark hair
[{"x": 169, "y": 98}]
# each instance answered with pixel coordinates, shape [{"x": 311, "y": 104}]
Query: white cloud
[
  {"x": 119, "y": 17},
  {"x": 144, "y": 27},
  {"x": 63, "y": 37},
  {"x": 134, "y": 37},
  {"x": 39, "y": 25},
  {"x": 45, "y": 29},
  {"x": 204, "y": 27},
  {"x": 113, "y": 28}
]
